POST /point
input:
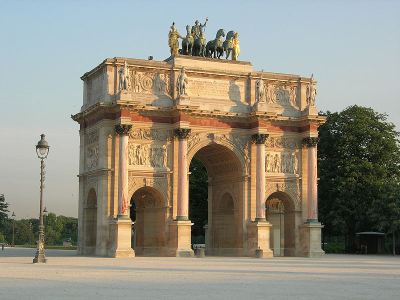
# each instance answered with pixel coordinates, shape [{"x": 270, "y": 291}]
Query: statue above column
[{"x": 194, "y": 44}]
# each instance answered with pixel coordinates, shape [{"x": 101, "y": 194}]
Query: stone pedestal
[
  {"x": 258, "y": 239},
  {"x": 122, "y": 238},
  {"x": 310, "y": 239},
  {"x": 183, "y": 100},
  {"x": 180, "y": 239},
  {"x": 311, "y": 111},
  {"x": 260, "y": 107}
]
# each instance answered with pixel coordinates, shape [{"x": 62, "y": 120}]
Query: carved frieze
[
  {"x": 282, "y": 162},
  {"x": 147, "y": 155},
  {"x": 281, "y": 93},
  {"x": 282, "y": 142},
  {"x": 151, "y": 134},
  {"x": 149, "y": 82}
]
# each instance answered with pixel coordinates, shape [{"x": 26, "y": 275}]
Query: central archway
[{"x": 223, "y": 233}]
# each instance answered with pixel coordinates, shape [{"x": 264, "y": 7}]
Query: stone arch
[
  {"x": 281, "y": 213},
  {"x": 160, "y": 184},
  {"x": 90, "y": 222},
  {"x": 197, "y": 141},
  {"x": 148, "y": 212},
  {"x": 291, "y": 189},
  {"x": 225, "y": 171}
]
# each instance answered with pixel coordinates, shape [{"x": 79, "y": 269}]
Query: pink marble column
[
  {"x": 183, "y": 183},
  {"x": 259, "y": 140},
  {"x": 123, "y": 132},
  {"x": 312, "y": 183}
]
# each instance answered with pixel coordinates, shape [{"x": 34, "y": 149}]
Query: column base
[
  {"x": 310, "y": 239},
  {"x": 180, "y": 238},
  {"x": 121, "y": 231},
  {"x": 258, "y": 239}
]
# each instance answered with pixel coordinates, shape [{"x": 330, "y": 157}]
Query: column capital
[
  {"x": 123, "y": 129},
  {"x": 310, "y": 142},
  {"x": 259, "y": 138},
  {"x": 182, "y": 133}
]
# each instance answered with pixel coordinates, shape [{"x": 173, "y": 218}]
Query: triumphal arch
[{"x": 142, "y": 123}]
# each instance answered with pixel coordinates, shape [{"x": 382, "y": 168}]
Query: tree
[
  {"x": 359, "y": 170},
  {"x": 3, "y": 208},
  {"x": 198, "y": 193},
  {"x": 3, "y": 212}
]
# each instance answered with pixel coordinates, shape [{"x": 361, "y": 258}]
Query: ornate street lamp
[
  {"x": 42, "y": 150},
  {"x": 13, "y": 219}
]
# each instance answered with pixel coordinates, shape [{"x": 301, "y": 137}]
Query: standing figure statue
[
  {"x": 188, "y": 41},
  {"x": 197, "y": 29},
  {"x": 173, "y": 40},
  {"x": 311, "y": 92},
  {"x": 199, "y": 40},
  {"x": 182, "y": 83},
  {"x": 260, "y": 90},
  {"x": 123, "y": 78},
  {"x": 235, "y": 46}
]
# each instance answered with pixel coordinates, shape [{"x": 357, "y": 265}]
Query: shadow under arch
[
  {"x": 281, "y": 213},
  {"x": 90, "y": 223},
  {"x": 148, "y": 214},
  {"x": 224, "y": 230}
]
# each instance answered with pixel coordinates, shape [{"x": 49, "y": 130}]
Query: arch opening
[
  {"x": 280, "y": 212},
  {"x": 148, "y": 212},
  {"x": 216, "y": 200},
  {"x": 90, "y": 223}
]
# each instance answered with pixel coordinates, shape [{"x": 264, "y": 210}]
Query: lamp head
[{"x": 42, "y": 147}]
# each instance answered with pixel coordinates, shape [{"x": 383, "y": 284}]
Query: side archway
[
  {"x": 148, "y": 214},
  {"x": 281, "y": 213},
  {"x": 90, "y": 223}
]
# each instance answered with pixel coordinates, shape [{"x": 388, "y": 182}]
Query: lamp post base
[{"x": 40, "y": 258}]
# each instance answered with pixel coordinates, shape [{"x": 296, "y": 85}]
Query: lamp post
[
  {"x": 13, "y": 237},
  {"x": 42, "y": 150}
]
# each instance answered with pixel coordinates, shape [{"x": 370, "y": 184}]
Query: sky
[{"x": 351, "y": 47}]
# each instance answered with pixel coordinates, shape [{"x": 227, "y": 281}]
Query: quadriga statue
[{"x": 214, "y": 47}]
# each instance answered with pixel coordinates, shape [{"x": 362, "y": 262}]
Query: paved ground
[{"x": 67, "y": 276}]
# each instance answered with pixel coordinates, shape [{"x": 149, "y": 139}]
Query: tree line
[{"x": 57, "y": 228}]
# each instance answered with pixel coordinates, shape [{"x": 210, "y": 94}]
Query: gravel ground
[{"x": 67, "y": 276}]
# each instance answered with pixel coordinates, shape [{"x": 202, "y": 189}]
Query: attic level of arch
[{"x": 199, "y": 85}]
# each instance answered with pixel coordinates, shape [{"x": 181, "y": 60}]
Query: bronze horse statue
[
  {"x": 188, "y": 42},
  {"x": 214, "y": 48},
  {"x": 227, "y": 45}
]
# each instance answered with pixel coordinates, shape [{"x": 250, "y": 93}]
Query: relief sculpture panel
[
  {"x": 147, "y": 155},
  {"x": 92, "y": 150},
  {"x": 157, "y": 83},
  {"x": 280, "y": 93}
]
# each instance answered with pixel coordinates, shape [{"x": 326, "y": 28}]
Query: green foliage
[
  {"x": 198, "y": 194},
  {"x": 3, "y": 211},
  {"x": 57, "y": 230},
  {"x": 359, "y": 170},
  {"x": 2, "y": 238}
]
